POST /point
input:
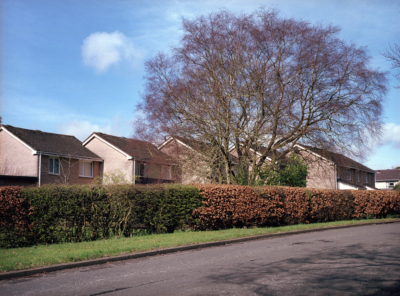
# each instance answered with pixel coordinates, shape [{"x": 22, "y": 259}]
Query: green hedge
[{"x": 84, "y": 213}]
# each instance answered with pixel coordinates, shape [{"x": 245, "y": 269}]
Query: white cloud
[
  {"x": 82, "y": 128},
  {"x": 101, "y": 50},
  {"x": 391, "y": 135}
]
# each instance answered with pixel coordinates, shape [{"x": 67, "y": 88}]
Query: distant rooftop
[{"x": 387, "y": 175}]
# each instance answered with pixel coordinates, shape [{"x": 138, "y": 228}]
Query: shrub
[
  {"x": 62, "y": 213},
  {"x": 15, "y": 212},
  {"x": 228, "y": 206},
  {"x": 376, "y": 203},
  {"x": 293, "y": 172},
  {"x": 331, "y": 205}
]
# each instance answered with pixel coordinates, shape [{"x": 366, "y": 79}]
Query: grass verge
[{"x": 45, "y": 255}]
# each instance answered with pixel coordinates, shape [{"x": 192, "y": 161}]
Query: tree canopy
[
  {"x": 261, "y": 83},
  {"x": 393, "y": 56}
]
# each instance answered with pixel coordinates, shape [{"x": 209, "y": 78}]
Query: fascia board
[
  {"x": 88, "y": 139},
  {"x": 350, "y": 167},
  {"x": 313, "y": 153},
  {"x": 178, "y": 141},
  {"x": 109, "y": 144},
  {"x": 165, "y": 142},
  {"x": 19, "y": 140},
  {"x": 387, "y": 180},
  {"x": 187, "y": 146},
  {"x": 72, "y": 156},
  {"x": 259, "y": 154},
  {"x": 316, "y": 154}
]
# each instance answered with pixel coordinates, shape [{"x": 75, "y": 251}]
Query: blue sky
[{"x": 77, "y": 66}]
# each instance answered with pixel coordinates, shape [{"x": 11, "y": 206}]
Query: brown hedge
[
  {"x": 331, "y": 205},
  {"x": 227, "y": 206},
  {"x": 14, "y": 216},
  {"x": 375, "y": 203}
]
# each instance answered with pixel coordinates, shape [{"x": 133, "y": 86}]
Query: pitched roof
[
  {"x": 337, "y": 158},
  {"x": 199, "y": 146},
  {"x": 140, "y": 150},
  {"x": 383, "y": 175},
  {"x": 196, "y": 145},
  {"x": 49, "y": 143}
]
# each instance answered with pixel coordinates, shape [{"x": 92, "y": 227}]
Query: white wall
[
  {"x": 385, "y": 184},
  {"x": 15, "y": 158},
  {"x": 114, "y": 161}
]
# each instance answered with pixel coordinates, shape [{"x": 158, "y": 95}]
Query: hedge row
[
  {"x": 227, "y": 206},
  {"x": 54, "y": 214}
]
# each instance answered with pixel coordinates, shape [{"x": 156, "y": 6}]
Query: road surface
[{"x": 352, "y": 261}]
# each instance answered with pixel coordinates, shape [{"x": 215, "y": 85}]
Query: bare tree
[
  {"x": 261, "y": 83},
  {"x": 393, "y": 55}
]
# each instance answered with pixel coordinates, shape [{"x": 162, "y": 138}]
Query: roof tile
[
  {"x": 141, "y": 150},
  {"x": 52, "y": 143}
]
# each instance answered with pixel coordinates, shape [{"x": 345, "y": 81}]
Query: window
[
  {"x": 366, "y": 178},
  {"x": 348, "y": 174},
  {"x": 86, "y": 169},
  {"x": 142, "y": 170},
  {"x": 391, "y": 184},
  {"x": 358, "y": 176},
  {"x": 54, "y": 166},
  {"x": 167, "y": 172}
]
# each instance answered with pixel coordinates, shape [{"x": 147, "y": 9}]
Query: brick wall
[
  {"x": 69, "y": 172},
  {"x": 364, "y": 176}
]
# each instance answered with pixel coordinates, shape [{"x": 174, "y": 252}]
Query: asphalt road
[{"x": 353, "y": 261}]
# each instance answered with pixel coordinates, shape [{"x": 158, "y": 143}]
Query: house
[
  {"x": 29, "y": 157},
  {"x": 190, "y": 154},
  {"x": 137, "y": 161},
  {"x": 329, "y": 170},
  {"x": 387, "y": 179}
]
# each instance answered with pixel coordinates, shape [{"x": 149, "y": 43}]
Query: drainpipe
[
  {"x": 336, "y": 177},
  {"x": 134, "y": 171},
  {"x": 374, "y": 180},
  {"x": 40, "y": 168}
]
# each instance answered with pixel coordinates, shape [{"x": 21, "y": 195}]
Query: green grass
[{"x": 44, "y": 255}]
